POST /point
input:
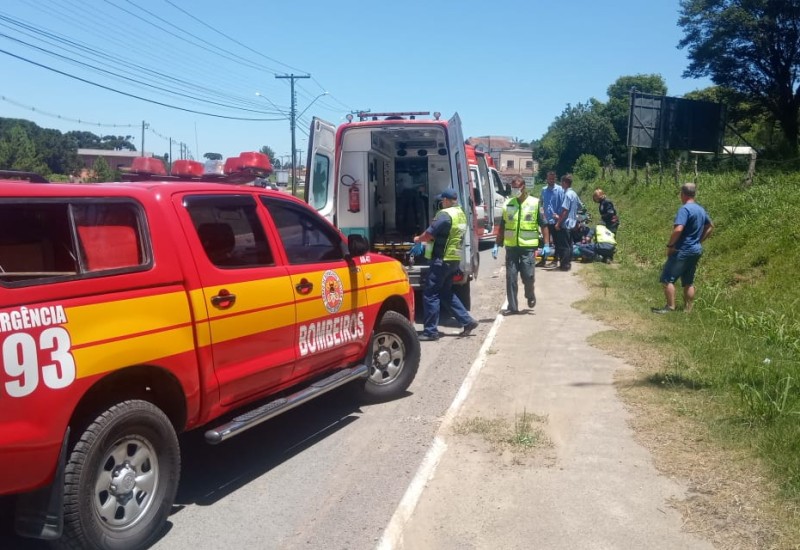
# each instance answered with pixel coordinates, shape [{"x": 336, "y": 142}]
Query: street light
[
  {"x": 310, "y": 104},
  {"x": 282, "y": 111}
]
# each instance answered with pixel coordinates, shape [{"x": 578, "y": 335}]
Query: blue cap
[{"x": 447, "y": 194}]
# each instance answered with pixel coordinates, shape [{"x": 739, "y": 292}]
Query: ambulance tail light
[
  {"x": 150, "y": 166},
  {"x": 187, "y": 168}
]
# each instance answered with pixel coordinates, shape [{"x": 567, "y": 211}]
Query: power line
[
  {"x": 79, "y": 121},
  {"x": 128, "y": 79},
  {"x": 134, "y": 95},
  {"x": 248, "y": 48}
]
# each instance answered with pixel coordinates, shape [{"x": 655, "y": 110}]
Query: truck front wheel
[
  {"x": 121, "y": 479},
  {"x": 395, "y": 358}
]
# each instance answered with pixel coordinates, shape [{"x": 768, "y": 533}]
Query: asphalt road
[{"x": 327, "y": 475}]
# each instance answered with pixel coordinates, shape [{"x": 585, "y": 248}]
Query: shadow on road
[{"x": 211, "y": 472}]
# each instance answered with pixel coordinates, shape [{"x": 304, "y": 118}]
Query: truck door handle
[
  {"x": 223, "y": 300},
  {"x": 304, "y": 287}
]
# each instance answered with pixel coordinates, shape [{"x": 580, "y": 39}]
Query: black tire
[
  {"x": 463, "y": 293},
  {"x": 121, "y": 479},
  {"x": 395, "y": 359}
]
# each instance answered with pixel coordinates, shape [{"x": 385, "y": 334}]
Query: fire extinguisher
[{"x": 353, "y": 194}]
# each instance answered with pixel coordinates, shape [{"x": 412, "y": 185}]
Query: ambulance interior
[{"x": 398, "y": 170}]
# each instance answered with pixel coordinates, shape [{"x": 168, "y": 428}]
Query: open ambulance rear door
[
  {"x": 458, "y": 167},
  {"x": 321, "y": 168}
]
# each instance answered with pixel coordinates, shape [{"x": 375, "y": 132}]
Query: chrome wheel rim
[
  {"x": 388, "y": 358},
  {"x": 126, "y": 483}
]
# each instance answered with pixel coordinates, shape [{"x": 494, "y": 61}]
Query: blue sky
[{"x": 508, "y": 68}]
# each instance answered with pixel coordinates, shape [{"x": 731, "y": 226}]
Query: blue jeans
[{"x": 438, "y": 292}]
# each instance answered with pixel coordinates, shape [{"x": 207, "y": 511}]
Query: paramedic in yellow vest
[
  {"x": 444, "y": 241},
  {"x": 519, "y": 234},
  {"x": 605, "y": 243}
]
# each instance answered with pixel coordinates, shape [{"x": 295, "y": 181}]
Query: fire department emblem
[{"x": 332, "y": 291}]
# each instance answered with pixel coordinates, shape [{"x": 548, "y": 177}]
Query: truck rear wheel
[
  {"x": 121, "y": 479},
  {"x": 395, "y": 358}
]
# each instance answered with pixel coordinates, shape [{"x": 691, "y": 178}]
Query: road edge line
[{"x": 393, "y": 534}]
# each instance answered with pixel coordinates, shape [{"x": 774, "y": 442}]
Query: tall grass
[{"x": 741, "y": 344}]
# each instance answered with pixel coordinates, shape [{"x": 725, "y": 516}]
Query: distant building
[
  {"x": 117, "y": 160},
  {"x": 510, "y": 159}
]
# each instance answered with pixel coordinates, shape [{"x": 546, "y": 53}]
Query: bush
[{"x": 587, "y": 167}]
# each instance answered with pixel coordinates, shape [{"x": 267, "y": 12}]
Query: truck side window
[
  {"x": 109, "y": 235},
  {"x": 43, "y": 241},
  {"x": 229, "y": 231},
  {"x": 306, "y": 237}
]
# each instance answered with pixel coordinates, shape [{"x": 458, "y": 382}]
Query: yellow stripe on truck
[{"x": 135, "y": 350}]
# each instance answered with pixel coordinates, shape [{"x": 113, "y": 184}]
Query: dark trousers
[
  {"x": 438, "y": 292},
  {"x": 564, "y": 247},
  {"x": 519, "y": 260}
]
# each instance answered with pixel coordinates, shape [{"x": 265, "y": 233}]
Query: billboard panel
[{"x": 675, "y": 123}]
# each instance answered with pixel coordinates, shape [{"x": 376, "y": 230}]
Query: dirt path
[{"x": 584, "y": 483}]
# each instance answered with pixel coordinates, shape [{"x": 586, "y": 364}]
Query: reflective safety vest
[
  {"x": 455, "y": 240},
  {"x": 521, "y": 222},
  {"x": 603, "y": 235}
]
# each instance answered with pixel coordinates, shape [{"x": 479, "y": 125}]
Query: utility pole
[
  {"x": 170, "y": 154},
  {"x": 144, "y": 126},
  {"x": 292, "y": 115}
]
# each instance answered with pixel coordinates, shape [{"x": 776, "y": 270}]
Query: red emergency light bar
[
  {"x": 242, "y": 169},
  {"x": 150, "y": 166},
  {"x": 187, "y": 168}
]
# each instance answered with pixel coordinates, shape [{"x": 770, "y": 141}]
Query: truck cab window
[
  {"x": 229, "y": 231},
  {"x": 306, "y": 238}
]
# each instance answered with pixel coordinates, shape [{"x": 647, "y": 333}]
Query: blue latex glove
[
  {"x": 418, "y": 249},
  {"x": 495, "y": 250}
]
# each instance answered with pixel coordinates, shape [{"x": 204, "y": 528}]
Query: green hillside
[{"x": 734, "y": 362}]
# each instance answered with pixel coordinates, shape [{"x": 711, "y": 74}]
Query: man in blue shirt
[
  {"x": 549, "y": 207},
  {"x": 565, "y": 222},
  {"x": 691, "y": 227}
]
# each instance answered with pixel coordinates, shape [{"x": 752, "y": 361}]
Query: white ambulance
[{"x": 378, "y": 176}]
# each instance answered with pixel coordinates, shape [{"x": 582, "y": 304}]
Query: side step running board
[{"x": 274, "y": 408}]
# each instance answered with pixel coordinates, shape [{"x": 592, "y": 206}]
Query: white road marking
[{"x": 393, "y": 534}]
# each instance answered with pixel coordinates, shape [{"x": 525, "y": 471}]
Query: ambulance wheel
[
  {"x": 395, "y": 359},
  {"x": 121, "y": 479},
  {"x": 463, "y": 293}
]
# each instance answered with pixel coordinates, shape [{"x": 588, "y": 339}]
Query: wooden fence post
[{"x": 751, "y": 169}]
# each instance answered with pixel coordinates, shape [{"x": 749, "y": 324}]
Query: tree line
[
  {"x": 28, "y": 147},
  {"x": 751, "y": 52}
]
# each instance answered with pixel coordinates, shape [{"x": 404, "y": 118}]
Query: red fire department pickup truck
[{"x": 133, "y": 311}]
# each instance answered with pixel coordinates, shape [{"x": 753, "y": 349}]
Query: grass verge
[{"x": 716, "y": 392}]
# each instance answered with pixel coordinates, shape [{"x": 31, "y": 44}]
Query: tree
[
  {"x": 117, "y": 143},
  {"x": 750, "y": 46},
  {"x": 213, "y": 156},
  {"x": 619, "y": 105},
  {"x": 18, "y": 152},
  {"x": 102, "y": 171},
  {"x": 587, "y": 167},
  {"x": 581, "y": 129},
  {"x": 267, "y": 150}
]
